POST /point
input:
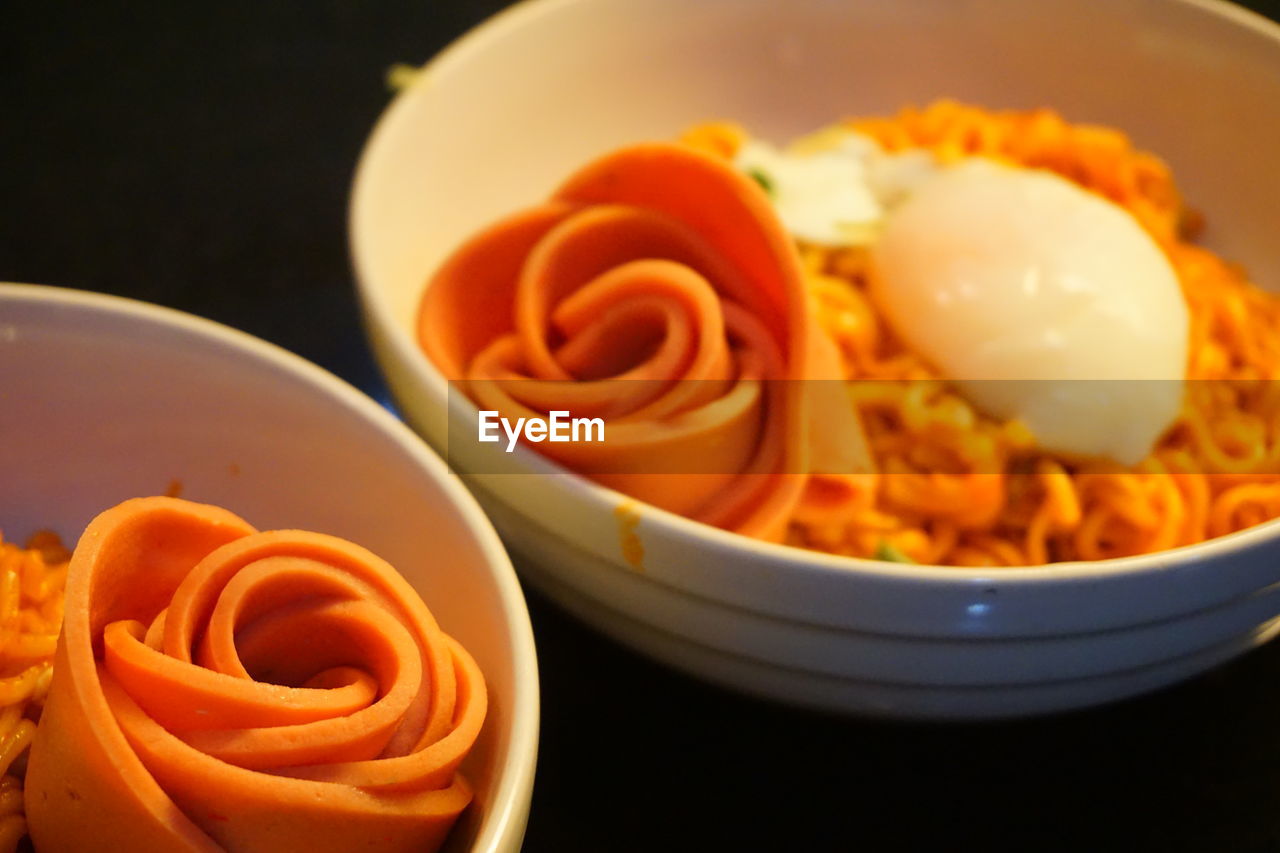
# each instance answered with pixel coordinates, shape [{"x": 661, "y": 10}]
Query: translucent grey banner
[{"x": 640, "y": 426}]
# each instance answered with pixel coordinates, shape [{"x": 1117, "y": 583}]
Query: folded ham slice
[
  {"x": 217, "y": 688},
  {"x": 657, "y": 290}
]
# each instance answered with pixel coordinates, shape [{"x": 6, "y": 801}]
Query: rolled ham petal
[
  {"x": 658, "y": 290},
  {"x": 217, "y": 688}
]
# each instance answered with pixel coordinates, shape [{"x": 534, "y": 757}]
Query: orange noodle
[
  {"x": 968, "y": 490},
  {"x": 31, "y": 596}
]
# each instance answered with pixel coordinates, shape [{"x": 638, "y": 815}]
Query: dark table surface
[{"x": 199, "y": 155}]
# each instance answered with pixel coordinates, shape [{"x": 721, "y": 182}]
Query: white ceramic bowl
[
  {"x": 501, "y": 116},
  {"x": 103, "y": 399}
]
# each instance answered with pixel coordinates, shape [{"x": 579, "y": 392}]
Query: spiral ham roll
[
  {"x": 217, "y": 688},
  {"x": 657, "y": 290}
]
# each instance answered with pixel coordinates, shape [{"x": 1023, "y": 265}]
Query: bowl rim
[
  {"x": 662, "y": 523},
  {"x": 503, "y": 822}
]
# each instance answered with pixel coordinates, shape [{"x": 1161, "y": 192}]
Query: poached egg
[{"x": 1042, "y": 302}]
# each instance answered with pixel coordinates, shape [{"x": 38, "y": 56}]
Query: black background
[{"x": 199, "y": 155}]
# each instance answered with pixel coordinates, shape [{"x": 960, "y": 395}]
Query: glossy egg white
[{"x": 1035, "y": 296}]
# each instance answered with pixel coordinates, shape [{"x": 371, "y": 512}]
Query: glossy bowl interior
[
  {"x": 106, "y": 399},
  {"x": 501, "y": 116}
]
